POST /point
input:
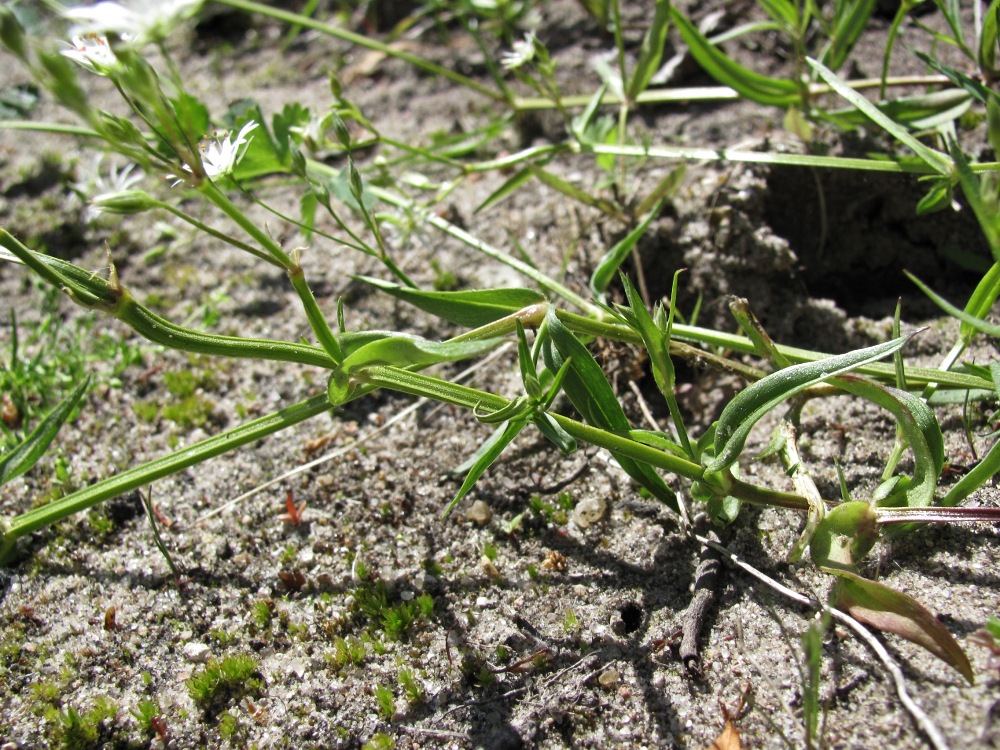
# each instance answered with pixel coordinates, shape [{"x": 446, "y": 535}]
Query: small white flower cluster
[
  {"x": 139, "y": 21},
  {"x": 92, "y": 51},
  {"x": 221, "y": 153},
  {"x": 523, "y": 52}
]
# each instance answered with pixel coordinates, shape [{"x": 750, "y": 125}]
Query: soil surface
[{"x": 548, "y": 606}]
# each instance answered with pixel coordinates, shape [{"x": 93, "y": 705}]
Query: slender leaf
[
  {"x": 508, "y": 188},
  {"x": 470, "y": 308},
  {"x": 935, "y": 159},
  {"x": 988, "y": 40},
  {"x": 980, "y": 474},
  {"x": 591, "y": 394},
  {"x": 753, "y": 402},
  {"x": 970, "y": 320},
  {"x": 608, "y": 265},
  {"x": 894, "y": 612},
  {"x": 401, "y": 351},
  {"x": 27, "y": 453},
  {"x": 651, "y": 52},
  {"x": 851, "y": 19},
  {"x": 749, "y": 84},
  {"x": 921, "y": 430},
  {"x": 484, "y": 457},
  {"x": 960, "y": 79}
]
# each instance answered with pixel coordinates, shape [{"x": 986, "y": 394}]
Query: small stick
[
  {"x": 922, "y": 720},
  {"x": 706, "y": 584}
]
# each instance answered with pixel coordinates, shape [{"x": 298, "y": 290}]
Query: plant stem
[
  {"x": 364, "y": 41},
  {"x": 11, "y": 531}
]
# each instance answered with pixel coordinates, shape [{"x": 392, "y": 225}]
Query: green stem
[
  {"x": 222, "y": 202},
  {"x": 160, "y": 331},
  {"x": 709, "y": 93},
  {"x": 291, "y": 265},
  {"x": 11, "y": 531},
  {"x": 366, "y": 42},
  {"x": 218, "y": 235},
  {"x": 915, "y": 376},
  {"x": 317, "y": 320}
]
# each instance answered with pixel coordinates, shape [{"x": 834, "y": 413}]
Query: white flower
[
  {"x": 100, "y": 191},
  {"x": 221, "y": 153},
  {"x": 523, "y": 52},
  {"x": 143, "y": 20},
  {"x": 92, "y": 51}
]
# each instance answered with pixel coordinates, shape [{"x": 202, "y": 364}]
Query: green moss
[
  {"x": 91, "y": 729},
  {"x": 224, "y": 682}
]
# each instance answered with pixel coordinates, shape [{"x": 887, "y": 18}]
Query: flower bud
[{"x": 123, "y": 202}]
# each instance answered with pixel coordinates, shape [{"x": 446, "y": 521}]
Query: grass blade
[
  {"x": 752, "y": 85},
  {"x": 32, "y": 448},
  {"x": 935, "y": 159}
]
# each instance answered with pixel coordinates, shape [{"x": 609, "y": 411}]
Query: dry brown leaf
[{"x": 728, "y": 740}]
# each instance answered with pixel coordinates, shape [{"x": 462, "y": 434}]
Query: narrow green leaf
[
  {"x": 845, "y": 535},
  {"x": 509, "y": 187},
  {"x": 753, "y": 402},
  {"x": 400, "y": 350},
  {"x": 27, "y": 453},
  {"x": 970, "y": 320},
  {"x": 484, "y": 457},
  {"x": 749, "y": 84},
  {"x": 984, "y": 207},
  {"x": 470, "y": 308},
  {"x": 657, "y": 343},
  {"x": 960, "y": 79},
  {"x": 921, "y": 112},
  {"x": 664, "y": 189},
  {"x": 608, "y": 265},
  {"x": 892, "y": 611},
  {"x": 591, "y": 394},
  {"x": 934, "y": 159},
  {"x": 987, "y": 53},
  {"x": 812, "y": 645},
  {"x": 980, "y": 474},
  {"x": 572, "y": 191},
  {"x": 582, "y": 123},
  {"x": 921, "y": 430},
  {"x": 651, "y": 51},
  {"x": 850, "y": 20}
]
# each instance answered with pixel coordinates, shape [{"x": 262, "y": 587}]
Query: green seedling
[
  {"x": 411, "y": 686},
  {"x": 223, "y": 682},
  {"x": 385, "y": 701}
]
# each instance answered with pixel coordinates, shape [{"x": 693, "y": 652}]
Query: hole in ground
[{"x": 854, "y": 234}]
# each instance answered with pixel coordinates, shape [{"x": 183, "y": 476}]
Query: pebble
[
  {"x": 479, "y": 513},
  {"x": 589, "y": 511},
  {"x": 197, "y": 653},
  {"x": 608, "y": 678},
  {"x": 487, "y": 566}
]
